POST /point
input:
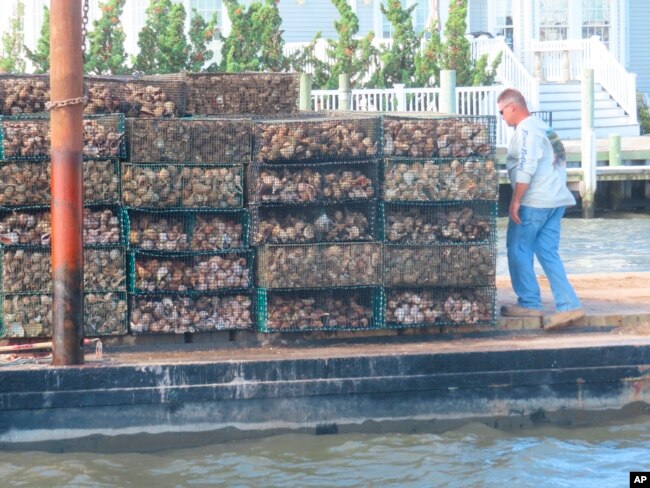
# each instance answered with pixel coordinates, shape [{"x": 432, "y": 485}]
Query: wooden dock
[{"x": 633, "y": 150}]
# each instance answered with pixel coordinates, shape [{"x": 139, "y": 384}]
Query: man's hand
[
  {"x": 515, "y": 203},
  {"x": 514, "y": 211}
]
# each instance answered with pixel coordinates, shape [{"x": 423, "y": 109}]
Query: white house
[{"x": 547, "y": 43}]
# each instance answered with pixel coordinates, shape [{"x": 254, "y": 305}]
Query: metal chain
[
  {"x": 64, "y": 103},
  {"x": 84, "y": 27}
]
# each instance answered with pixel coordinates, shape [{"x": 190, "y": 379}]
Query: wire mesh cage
[
  {"x": 135, "y": 97},
  {"x": 426, "y": 307},
  {"x": 439, "y": 136},
  {"x": 421, "y": 223},
  {"x": 419, "y": 180},
  {"x": 182, "y": 186},
  {"x": 30, "y": 314},
  {"x": 190, "y": 272},
  {"x": 103, "y": 226},
  {"x": 27, "y": 137},
  {"x": 29, "y": 269},
  {"x": 23, "y": 94},
  {"x": 28, "y": 183},
  {"x": 207, "y": 140},
  {"x": 319, "y": 265},
  {"x": 179, "y": 314},
  {"x": 27, "y": 315},
  {"x": 302, "y": 224},
  {"x": 354, "y": 308},
  {"x": 314, "y": 137},
  {"x": 309, "y": 183},
  {"x": 237, "y": 93},
  {"x": 187, "y": 230},
  {"x": 439, "y": 264},
  {"x": 105, "y": 314},
  {"x": 31, "y": 226}
]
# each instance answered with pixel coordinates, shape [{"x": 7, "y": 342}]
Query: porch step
[
  {"x": 564, "y": 100},
  {"x": 631, "y": 130}
]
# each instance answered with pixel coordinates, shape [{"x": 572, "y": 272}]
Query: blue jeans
[{"x": 538, "y": 235}]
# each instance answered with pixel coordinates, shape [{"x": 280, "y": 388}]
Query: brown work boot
[
  {"x": 519, "y": 311},
  {"x": 560, "y": 320}
]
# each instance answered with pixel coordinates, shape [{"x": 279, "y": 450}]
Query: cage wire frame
[
  {"x": 42, "y": 326},
  {"x": 164, "y": 303},
  {"x": 193, "y": 266},
  {"x": 439, "y": 264},
  {"x": 178, "y": 186},
  {"x": 101, "y": 182},
  {"x": 34, "y": 84},
  {"x": 440, "y": 136},
  {"x": 321, "y": 182},
  {"x": 114, "y": 143},
  {"x": 439, "y": 180},
  {"x": 351, "y": 221},
  {"x": 233, "y": 93},
  {"x": 375, "y": 297},
  {"x": 42, "y": 221},
  {"x": 473, "y": 221},
  {"x": 436, "y": 296},
  {"x": 342, "y": 264},
  {"x": 194, "y": 225},
  {"x": 317, "y": 137},
  {"x": 135, "y": 96},
  {"x": 203, "y": 140}
]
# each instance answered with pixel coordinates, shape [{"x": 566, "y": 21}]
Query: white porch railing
[
  {"x": 510, "y": 72},
  {"x": 480, "y": 100},
  {"x": 565, "y": 60},
  {"x": 620, "y": 84}
]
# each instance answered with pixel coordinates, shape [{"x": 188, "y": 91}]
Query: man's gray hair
[{"x": 510, "y": 95}]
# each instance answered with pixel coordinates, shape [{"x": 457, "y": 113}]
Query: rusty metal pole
[{"x": 66, "y": 123}]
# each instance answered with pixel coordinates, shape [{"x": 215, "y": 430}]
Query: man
[{"x": 536, "y": 163}]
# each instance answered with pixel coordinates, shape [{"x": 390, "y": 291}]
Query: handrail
[
  {"x": 510, "y": 72},
  {"x": 470, "y": 100},
  {"x": 613, "y": 77}
]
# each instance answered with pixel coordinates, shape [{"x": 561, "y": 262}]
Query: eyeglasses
[{"x": 504, "y": 107}]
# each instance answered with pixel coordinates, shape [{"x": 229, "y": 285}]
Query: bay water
[{"x": 473, "y": 455}]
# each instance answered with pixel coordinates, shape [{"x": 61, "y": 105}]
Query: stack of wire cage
[
  {"x": 25, "y": 229},
  {"x": 438, "y": 218},
  {"x": 312, "y": 191},
  {"x": 182, "y": 186},
  {"x": 211, "y": 204}
]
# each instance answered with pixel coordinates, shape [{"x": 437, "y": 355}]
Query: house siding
[
  {"x": 638, "y": 40},
  {"x": 478, "y": 16},
  {"x": 365, "y": 14},
  {"x": 301, "y": 22}
]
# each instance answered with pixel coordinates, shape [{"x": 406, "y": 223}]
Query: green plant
[
  {"x": 643, "y": 112},
  {"x": 106, "y": 54},
  {"x": 398, "y": 61},
  {"x": 13, "y": 42},
  {"x": 201, "y": 34},
  {"x": 454, "y": 53},
  {"x": 162, "y": 42},
  {"x": 351, "y": 56},
  {"x": 255, "y": 40},
  {"x": 40, "y": 58}
]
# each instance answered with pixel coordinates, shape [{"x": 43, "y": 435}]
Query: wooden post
[
  {"x": 400, "y": 97},
  {"x": 614, "y": 150},
  {"x": 588, "y": 148},
  {"x": 447, "y": 102},
  {"x": 565, "y": 67},
  {"x": 305, "y": 91},
  {"x": 537, "y": 65},
  {"x": 344, "y": 92},
  {"x": 66, "y": 128},
  {"x": 616, "y": 187}
]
